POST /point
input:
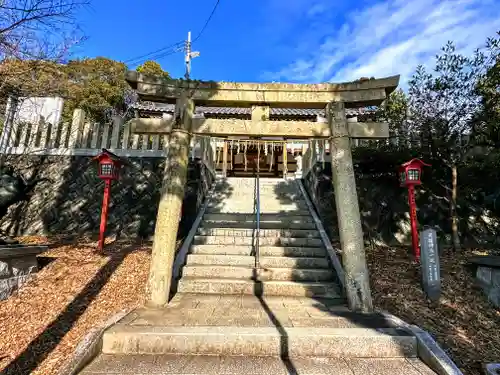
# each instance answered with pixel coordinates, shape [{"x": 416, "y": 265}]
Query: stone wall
[
  {"x": 69, "y": 201},
  {"x": 489, "y": 280},
  {"x": 385, "y": 212},
  {"x": 318, "y": 185},
  {"x": 16, "y": 266}
]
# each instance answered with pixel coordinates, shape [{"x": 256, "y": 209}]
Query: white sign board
[{"x": 30, "y": 110}]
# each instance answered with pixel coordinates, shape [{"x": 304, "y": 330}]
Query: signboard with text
[{"x": 431, "y": 274}]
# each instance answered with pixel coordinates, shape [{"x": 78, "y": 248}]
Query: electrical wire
[
  {"x": 207, "y": 22},
  {"x": 172, "y": 48},
  {"x": 161, "y": 55}
]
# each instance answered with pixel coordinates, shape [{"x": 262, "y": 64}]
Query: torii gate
[{"x": 333, "y": 97}]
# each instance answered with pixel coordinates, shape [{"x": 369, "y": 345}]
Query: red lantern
[
  {"x": 410, "y": 175},
  {"x": 108, "y": 170},
  {"x": 109, "y": 165}
]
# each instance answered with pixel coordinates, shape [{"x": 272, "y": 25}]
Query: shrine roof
[{"x": 154, "y": 107}]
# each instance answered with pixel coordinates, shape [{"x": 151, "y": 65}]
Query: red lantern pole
[
  {"x": 413, "y": 220},
  {"x": 104, "y": 213}
]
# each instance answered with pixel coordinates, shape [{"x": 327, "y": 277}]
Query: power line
[
  {"x": 206, "y": 23},
  {"x": 171, "y": 48},
  {"x": 162, "y": 55}
]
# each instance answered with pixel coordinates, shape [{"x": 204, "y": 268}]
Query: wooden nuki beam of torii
[{"x": 334, "y": 97}]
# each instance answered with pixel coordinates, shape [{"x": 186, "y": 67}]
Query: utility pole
[{"x": 189, "y": 55}]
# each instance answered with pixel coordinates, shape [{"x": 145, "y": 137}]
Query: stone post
[
  {"x": 10, "y": 113},
  {"x": 76, "y": 128},
  {"x": 117, "y": 122},
  {"x": 298, "y": 172},
  {"x": 357, "y": 282},
  {"x": 285, "y": 161},
  {"x": 224, "y": 159},
  {"x": 169, "y": 209}
]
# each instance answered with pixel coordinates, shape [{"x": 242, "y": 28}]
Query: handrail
[{"x": 257, "y": 211}]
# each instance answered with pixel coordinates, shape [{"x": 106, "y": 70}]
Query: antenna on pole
[{"x": 189, "y": 55}]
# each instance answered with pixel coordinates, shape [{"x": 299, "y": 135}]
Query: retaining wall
[{"x": 70, "y": 200}]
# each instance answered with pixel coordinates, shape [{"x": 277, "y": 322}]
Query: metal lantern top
[
  {"x": 109, "y": 165},
  {"x": 410, "y": 173}
]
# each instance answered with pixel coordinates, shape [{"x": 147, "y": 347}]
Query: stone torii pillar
[
  {"x": 357, "y": 283},
  {"x": 169, "y": 209}
]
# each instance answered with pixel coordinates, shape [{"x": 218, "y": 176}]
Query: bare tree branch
[
  {"x": 36, "y": 28},
  {"x": 40, "y": 32}
]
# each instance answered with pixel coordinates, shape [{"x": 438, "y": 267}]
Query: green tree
[
  {"x": 487, "y": 121},
  {"x": 394, "y": 111},
  {"x": 30, "y": 78},
  {"x": 153, "y": 68},
  {"x": 95, "y": 85},
  {"x": 444, "y": 106}
]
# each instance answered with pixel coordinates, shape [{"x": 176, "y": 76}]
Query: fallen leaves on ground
[
  {"x": 463, "y": 322},
  {"x": 76, "y": 290}
]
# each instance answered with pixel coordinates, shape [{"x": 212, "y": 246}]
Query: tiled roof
[
  {"x": 224, "y": 110},
  {"x": 169, "y": 108},
  {"x": 296, "y": 112}
]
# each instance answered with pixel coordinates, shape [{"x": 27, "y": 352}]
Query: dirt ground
[
  {"x": 78, "y": 289},
  {"x": 463, "y": 322}
]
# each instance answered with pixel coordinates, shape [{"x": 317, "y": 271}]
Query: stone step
[
  {"x": 242, "y": 181},
  {"x": 291, "y": 305},
  {"x": 248, "y": 208},
  {"x": 263, "y": 224},
  {"x": 248, "y": 200},
  {"x": 249, "y": 261},
  {"x": 238, "y": 232},
  {"x": 266, "y": 241},
  {"x": 273, "y": 202},
  {"x": 268, "y": 198},
  {"x": 254, "y": 311},
  {"x": 243, "y": 196},
  {"x": 249, "y": 273},
  {"x": 260, "y": 341},
  {"x": 236, "y": 191},
  {"x": 114, "y": 364},
  {"x": 269, "y": 288},
  {"x": 298, "y": 218},
  {"x": 281, "y": 196},
  {"x": 272, "y": 251}
]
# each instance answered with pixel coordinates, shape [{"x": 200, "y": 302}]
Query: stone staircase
[
  {"x": 292, "y": 261},
  {"x": 286, "y": 316}
]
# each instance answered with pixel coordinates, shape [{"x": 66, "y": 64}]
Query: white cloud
[
  {"x": 316, "y": 9},
  {"x": 390, "y": 37}
]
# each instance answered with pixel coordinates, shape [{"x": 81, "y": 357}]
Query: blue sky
[{"x": 290, "y": 40}]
